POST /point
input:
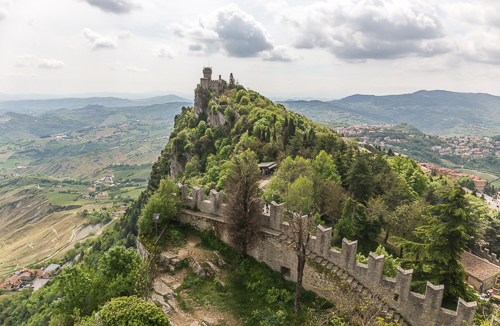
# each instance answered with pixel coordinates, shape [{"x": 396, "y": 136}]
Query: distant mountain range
[
  {"x": 39, "y": 106},
  {"x": 433, "y": 112},
  {"x": 15, "y": 126}
]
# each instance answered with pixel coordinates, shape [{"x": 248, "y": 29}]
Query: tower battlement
[
  {"x": 206, "y": 81},
  {"x": 418, "y": 309}
]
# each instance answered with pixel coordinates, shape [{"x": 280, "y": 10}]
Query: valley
[{"x": 52, "y": 171}]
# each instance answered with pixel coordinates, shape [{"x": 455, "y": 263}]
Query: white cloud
[
  {"x": 97, "y": 41},
  {"x": 26, "y": 60},
  {"x": 3, "y": 14},
  {"x": 114, "y": 6},
  {"x": 279, "y": 53},
  {"x": 356, "y": 30},
  {"x": 124, "y": 34},
  {"x": 478, "y": 29},
  {"x": 229, "y": 29},
  {"x": 4, "y": 4},
  {"x": 50, "y": 63},
  {"x": 164, "y": 52},
  {"x": 136, "y": 69}
]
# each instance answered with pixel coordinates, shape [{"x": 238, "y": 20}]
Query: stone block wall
[
  {"x": 485, "y": 253},
  {"x": 417, "y": 309}
]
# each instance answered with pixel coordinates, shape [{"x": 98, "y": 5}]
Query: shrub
[
  {"x": 132, "y": 311},
  {"x": 244, "y": 100}
]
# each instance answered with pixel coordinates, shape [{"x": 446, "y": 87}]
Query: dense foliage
[{"x": 365, "y": 194}]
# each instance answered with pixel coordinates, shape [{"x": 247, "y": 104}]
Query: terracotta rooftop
[{"x": 478, "y": 267}]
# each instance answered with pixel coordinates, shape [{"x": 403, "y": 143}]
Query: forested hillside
[
  {"x": 433, "y": 112},
  {"x": 386, "y": 203}
]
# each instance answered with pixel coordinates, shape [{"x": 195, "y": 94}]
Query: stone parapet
[
  {"x": 485, "y": 253},
  {"x": 417, "y": 309}
]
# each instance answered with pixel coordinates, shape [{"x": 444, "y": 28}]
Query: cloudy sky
[{"x": 326, "y": 49}]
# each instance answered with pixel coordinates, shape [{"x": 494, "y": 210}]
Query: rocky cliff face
[
  {"x": 200, "y": 106},
  {"x": 175, "y": 166}
]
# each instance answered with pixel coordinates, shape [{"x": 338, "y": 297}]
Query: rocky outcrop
[
  {"x": 197, "y": 269},
  {"x": 216, "y": 118},
  {"x": 166, "y": 258},
  {"x": 200, "y": 106},
  {"x": 162, "y": 289},
  {"x": 175, "y": 167},
  {"x": 165, "y": 307}
]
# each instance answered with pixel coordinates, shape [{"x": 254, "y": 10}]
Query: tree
[
  {"x": 243, "y": 208},
  {"x": 356, "y": 224},
  {"x": 390, "y": 263},
  {"x": 132, "y": 311},
  {"x": 324, "y": 166},
  {"x": 119, "y": 261},
  {"x": 404, "y": 220},
  {"x": 411, "y": 172},
  {"x": 77, "y": 286},
  {"x": 359, "y": 177},
  {"x": 299, "y": 213},
  {"x": 443, "y": 238},
  {"x": 467, "y": 183},
  {"x": 163, "y": 202}
]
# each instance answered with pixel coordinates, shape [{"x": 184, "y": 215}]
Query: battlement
[
  {"x": 415, "y": 308},
  {"x": 206, "y": 81},
  {"x": 485, "y": 253}
]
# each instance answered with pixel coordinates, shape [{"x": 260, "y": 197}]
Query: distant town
[
  {"x": 34, "y": 278},
  {"x": 460, "y": 146}
]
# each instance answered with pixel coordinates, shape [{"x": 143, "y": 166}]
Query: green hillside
[
  {"x": 433, "y": 112},
  {"x": 16, "y": 126},
  {"x": 365, "y": 194}
]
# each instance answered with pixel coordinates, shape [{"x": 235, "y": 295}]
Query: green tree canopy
[
  {"x": 163, "y": 202},
  {"x": 324, "y": 166},
  {"x": 467, "y": 182},
  {"x": 119, "y": 261},
  {"x": 411, "y": 172},
  {"x": 443, "y": 238},
  {"x": 132, "y": 311},
  {"x": 300, "y": 196}
]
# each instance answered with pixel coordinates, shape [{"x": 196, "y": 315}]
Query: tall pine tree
[{"x": 443, "y": 239}]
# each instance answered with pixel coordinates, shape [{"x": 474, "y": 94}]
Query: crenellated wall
[
  {"x": 485, "y": 253},
  {"x": 417, "y": 309}
]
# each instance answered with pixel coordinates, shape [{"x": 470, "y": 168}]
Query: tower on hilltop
[
  {"x": 206, "y": 81},
  {"x": 207, "y": 73}
]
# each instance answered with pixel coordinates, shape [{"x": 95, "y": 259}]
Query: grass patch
[
  {"x": 62, "y": 199},
  {"x": 251, "y": 291},
  {"x": 486, "y": 176}
]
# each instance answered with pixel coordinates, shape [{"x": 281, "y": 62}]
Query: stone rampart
[
  {"x": 416, "y": 309},
  {"x": 485, "y": 253},
  {"x": 141, "y": 250}
]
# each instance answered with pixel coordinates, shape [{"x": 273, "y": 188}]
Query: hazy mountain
[
  {"x": 434, "y": 112},
  {"x": 15, "y": 126},
  {"x": 39, "y": 106}
]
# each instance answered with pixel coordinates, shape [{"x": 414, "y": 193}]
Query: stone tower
[
  {"x": 206, "y": 81},
  {"x": 207, "y": 73}
]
